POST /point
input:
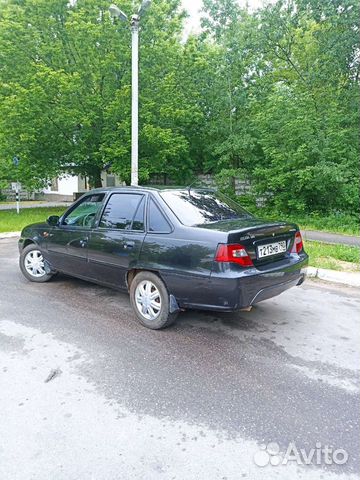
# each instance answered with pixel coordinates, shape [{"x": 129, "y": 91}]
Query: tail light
[
  {"x": 234, "y": 253},
  {"x": 298, "y": 243}
]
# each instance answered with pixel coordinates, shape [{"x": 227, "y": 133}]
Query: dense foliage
[{"x": 272, "y": 95}]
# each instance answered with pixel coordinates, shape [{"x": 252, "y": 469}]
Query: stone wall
[
  {"x": 23, "y": 194},
  {"x": 242, "y": 187}
]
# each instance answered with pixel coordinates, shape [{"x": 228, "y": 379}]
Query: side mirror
[{"x": 53, "y": 220}]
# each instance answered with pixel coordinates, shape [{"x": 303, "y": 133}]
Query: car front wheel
[
  {"x": 150, "y": 301},
  {"x": 32, "y": 264}
]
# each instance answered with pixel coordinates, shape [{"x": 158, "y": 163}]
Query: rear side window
[
  {"x": 122, "y": 212},
  {"x": 157, "y": 221},
  {"x": 138, "y": 221}
]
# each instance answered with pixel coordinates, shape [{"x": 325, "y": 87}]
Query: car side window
[
  {"x": 83, "y": 215},
  {"x": 138, "y": 220},
  {"x": 122, "y": 210},
  {"x": 157, "y": 221}
]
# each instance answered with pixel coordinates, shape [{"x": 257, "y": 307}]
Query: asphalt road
[
  {"x": 337, "y": 238},
  {"x": 87, "y": 393}
]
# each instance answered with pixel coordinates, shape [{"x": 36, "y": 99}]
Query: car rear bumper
[
  {"x": 231, "y": 291},
  {"x": 273, "y": 290}
]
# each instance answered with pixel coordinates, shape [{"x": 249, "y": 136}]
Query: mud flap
[
  {"x": 47, "y": 267},
  {"x": 173, "y": 305}
]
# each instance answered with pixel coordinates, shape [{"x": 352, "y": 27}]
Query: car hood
[{"x": 35, "y": 226}]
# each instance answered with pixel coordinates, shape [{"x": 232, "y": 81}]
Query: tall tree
[
  {"x": 284, "y": 102},
  {"x": 66, "y": 100},
  {"x": 307, "y": 119},
  {"x": 272, "y": 95}
]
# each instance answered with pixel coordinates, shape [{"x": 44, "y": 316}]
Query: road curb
[
  {"x": 351, "y": 279},
  {"x": 9, "y": 235}
]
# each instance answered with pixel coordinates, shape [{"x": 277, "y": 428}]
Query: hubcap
[
  {"x": 148, "y": 300},
  {"x": 34, "y": 263}
]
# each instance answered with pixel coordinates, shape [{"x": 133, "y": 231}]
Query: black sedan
[{"x": 171, "y": 249}]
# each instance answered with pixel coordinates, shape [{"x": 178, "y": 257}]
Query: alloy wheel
[
  {"x": 34, "y": 263},
  {"x": 148, "y": 300}
]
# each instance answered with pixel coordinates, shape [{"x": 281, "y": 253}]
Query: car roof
[
  {"x": 120, "y": 189},
  {"x": 146, "y": 188}
]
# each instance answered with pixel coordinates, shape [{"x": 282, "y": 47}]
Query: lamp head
[
  {"x": 115, "y": 12},
  {"x": 143, "y": 7}
]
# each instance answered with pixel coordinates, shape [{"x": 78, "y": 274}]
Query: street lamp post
[
  {"x": 135, "y": 100},
  {"x": 115, "y": 12}
]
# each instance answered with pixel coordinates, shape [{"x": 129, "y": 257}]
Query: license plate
[{"x": 271, "y": 249}]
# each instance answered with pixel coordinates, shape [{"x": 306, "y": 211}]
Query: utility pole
[{"x": 115, "y": 12}]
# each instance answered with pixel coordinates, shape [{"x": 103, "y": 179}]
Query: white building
[{"x": 67, "y": 186}]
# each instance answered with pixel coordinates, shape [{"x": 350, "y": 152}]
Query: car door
[
  {"x": 115, "y": 243},
  {"x": 67, "y": 243}
]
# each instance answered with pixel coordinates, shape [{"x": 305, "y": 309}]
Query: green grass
[
  {"x": 10, "y": 221},
  {"x": 334, "y": 257}
]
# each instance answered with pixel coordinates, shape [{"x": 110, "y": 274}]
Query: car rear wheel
[
  {"x": 32, "y": 264},
  {"x": 150, "y": 301}
]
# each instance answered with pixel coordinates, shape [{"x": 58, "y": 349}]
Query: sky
[{"x": 193, "y": 8}]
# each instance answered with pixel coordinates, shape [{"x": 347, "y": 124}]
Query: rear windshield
[{"x": 200, "y": 206}]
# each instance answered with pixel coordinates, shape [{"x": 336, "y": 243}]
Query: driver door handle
[
  {"x": 83, "y": 242},
  {"x": 128, "y": 245}
]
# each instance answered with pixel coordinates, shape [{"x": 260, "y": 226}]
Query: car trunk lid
[{"x": 276, "y": 238}]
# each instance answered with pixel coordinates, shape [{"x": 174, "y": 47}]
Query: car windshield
[{"x": 196, "y": 207}]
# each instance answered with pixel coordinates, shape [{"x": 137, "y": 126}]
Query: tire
[
  {"x": 144, "y": 286},
  {"x": 31, "y": 264}
]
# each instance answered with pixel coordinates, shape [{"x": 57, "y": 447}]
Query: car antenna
[{"x": 189, "y": 186}]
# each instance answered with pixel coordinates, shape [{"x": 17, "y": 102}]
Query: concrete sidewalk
[
  {"x": 336, "y": 238},
  {"x": 30, "y": 204}
]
